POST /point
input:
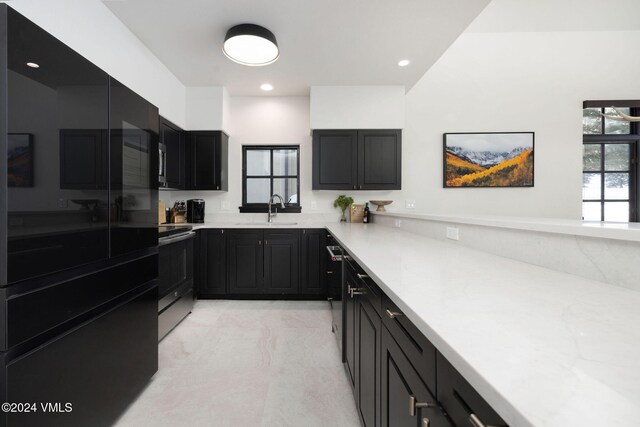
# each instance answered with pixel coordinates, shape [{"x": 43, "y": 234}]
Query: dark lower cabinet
[
  {"x": 246, "y": 261},
  {"x": 281, "y": 261},
  {"x": 350, "y": 330},
  {"x": 212, "y": 263},
  {"x": 406, "y": 400},
  {"x": 313, "y": 266},
  {"x": 368, "y": 362}
]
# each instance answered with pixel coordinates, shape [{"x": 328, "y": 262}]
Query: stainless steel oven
[{"x": 162, "y": 165}]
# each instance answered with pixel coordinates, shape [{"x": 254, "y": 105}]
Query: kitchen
[{"x": 535, "y": 324}]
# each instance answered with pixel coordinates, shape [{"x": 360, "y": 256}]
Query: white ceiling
[{"x": 322, "y": 42}]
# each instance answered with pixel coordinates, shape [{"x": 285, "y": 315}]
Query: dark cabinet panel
[
  {"x": 379, "y": 160},
  {"x": 368, "y": 363},
  {"x": 117, "y": 350},
  {"x": 281, "y": 261},
  {"x": 350, "y": 328},
  {"x": 246, "y": 263},
  {"x": 173, "y": 141},
  {"x": 213, "y": 267},
  {"x": 82, "y": 154},
  {"x": 460, "y": 400},
  {"x": 357, "y": 159},
  {"x": 209, "y": 160},
  {"x": 54, "y": 119},
  {"x": 335, "y": 160},
  {"x": 401, "y": 385},
  {"x": 313, "y": 262},
  {"x": 134, "y": 170}
]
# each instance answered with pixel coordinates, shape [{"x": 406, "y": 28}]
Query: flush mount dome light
[{"x": 250, "y": 44}]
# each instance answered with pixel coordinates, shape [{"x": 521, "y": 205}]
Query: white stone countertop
[
  {"x": 607, "y": 230},
  {"x": 251, "y": 224},
  {"x": 544, "y": 348}
]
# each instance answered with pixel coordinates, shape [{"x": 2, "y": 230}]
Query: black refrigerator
[{"x": 78, "y": 234}]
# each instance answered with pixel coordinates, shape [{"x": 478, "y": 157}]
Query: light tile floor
[{"x": 248, "y": 363}]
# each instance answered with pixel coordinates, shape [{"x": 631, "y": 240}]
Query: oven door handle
[{"x": 173, "y": 239}]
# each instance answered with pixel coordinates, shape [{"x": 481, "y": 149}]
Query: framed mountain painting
[
  {"x": 19, "y": 160},
  {"x": 488, "y": 159}
]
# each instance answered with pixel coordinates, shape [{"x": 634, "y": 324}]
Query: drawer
[
  {"x": 460, "y": 401},
  {"x": 173, "y": 314},
  {"x": 365, "y": 286},
  {"x": 174, "y": 294},
  {"x": 418, "y": 349}
]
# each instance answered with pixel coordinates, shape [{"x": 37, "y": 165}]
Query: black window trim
[
  {"x": 264, "y": 207},
  {"x": 633, "y": 139}
]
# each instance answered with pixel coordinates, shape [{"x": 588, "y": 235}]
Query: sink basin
[{"x": 266, "y": 223}]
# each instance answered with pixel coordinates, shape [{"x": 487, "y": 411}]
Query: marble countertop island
[{"x": 544, "y": 348}]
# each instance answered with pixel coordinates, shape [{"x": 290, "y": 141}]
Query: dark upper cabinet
[
  {"x": 379, "y": 160},
  {"x": 212, "y": 263},
  {"x": 53, "y": 122},
  {"x": 403, "y": 392},
  {"x": 173, "y": 167},
  {"x": 313, "y": 262},
  {"x": 357, "y": 159},
  {"x": 209, "y": 160},
  {"x": 335, "y": 160},
  {"x": 281, "y": 261},
  {"x": 245, "y": 262}
]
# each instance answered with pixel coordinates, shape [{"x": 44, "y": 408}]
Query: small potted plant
[{"x": 343, "y": 202}]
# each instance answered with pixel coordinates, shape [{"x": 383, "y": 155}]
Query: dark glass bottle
[{"x": 366, "y": 217}]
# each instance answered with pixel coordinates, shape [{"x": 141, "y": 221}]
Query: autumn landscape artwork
[{"x": 488, "y": 159}]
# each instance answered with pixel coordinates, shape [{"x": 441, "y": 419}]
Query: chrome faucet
[{"x": 271, "y": 215}]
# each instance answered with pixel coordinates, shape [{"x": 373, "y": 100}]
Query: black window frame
[
  {"x": 632, "y": 139},
  {"x": 264, "y": 207}
]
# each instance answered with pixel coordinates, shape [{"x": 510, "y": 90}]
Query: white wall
[
  {"x": 90, "y": 28},
  {"x": 207, "y": 108},
  {"x": 529, "y": 81},
  {"x": 357, "y": 107}
]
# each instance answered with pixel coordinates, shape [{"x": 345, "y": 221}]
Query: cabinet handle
[
  {"x": 362, "y": 276},
  {"x": 357, "y": 291},
  {"x": 354, "y": 187},
  {"x": 425, "y": 422},
  {"x": 361, "y": 187},
  {"x": 329, "y": 272},
  {"x": 266, "y": 242},
  {"x": 413, "y": 405},
  {"x": 393, "y": 314},
  {"x": 259, "y": 242},
  {"x": 477, "y": 422}
]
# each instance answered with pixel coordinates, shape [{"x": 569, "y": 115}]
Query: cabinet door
[
  {"x": 281, "y": 261},
  {"x": 174, "y": 140},
  {"x": 209, "y": 160},
  {"x": 313, "y": 269},
  {"x": 335, "y": 159},
  {"x": 245, "y": 265},
  {"x": 399, "y": 384},
  {"x": 82, "y": 154},
  {"x": 350, "y": 321},
  {"x": 213, "y": 267},
  {"x": 368, "y": 363},
  {"x": 379, "y": 159}
]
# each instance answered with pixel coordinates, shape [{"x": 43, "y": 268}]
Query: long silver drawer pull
[
  {"x": 355, "y": 292},
  {"x": 477, "y": 422},
  {"x": 413, "y": 405},
  {"x": 362, "y": 276},
  {"x": 393, "y": 314}
]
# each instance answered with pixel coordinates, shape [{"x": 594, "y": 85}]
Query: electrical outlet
[
  {"x": 453, "y": 233},
  {"x": 314, "y": 205},
  {"x": 410, "y": 204},
  {"x": 398, "y": 223},
  {"x": 226, "y": 205}
]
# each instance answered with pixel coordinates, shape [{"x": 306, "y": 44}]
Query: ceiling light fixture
[
  {"x": 250, "y": 44},
  {"x": 266, "y": 87},
  {"x": 403, "y": 63},
  {"x": 32, "y": 65}
]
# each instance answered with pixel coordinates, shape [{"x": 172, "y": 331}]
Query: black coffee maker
[{"x": 195, "y": 210}]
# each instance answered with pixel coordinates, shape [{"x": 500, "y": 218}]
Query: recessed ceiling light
[
  {"x": 266, "y": 87},
  {"x": 403, "y": 63},
  {"x": 250, "y": 44},
  {"x": 32, "y": 65}
]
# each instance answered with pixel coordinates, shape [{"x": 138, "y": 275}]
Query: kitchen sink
[{"x": 266, "y": 223}]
